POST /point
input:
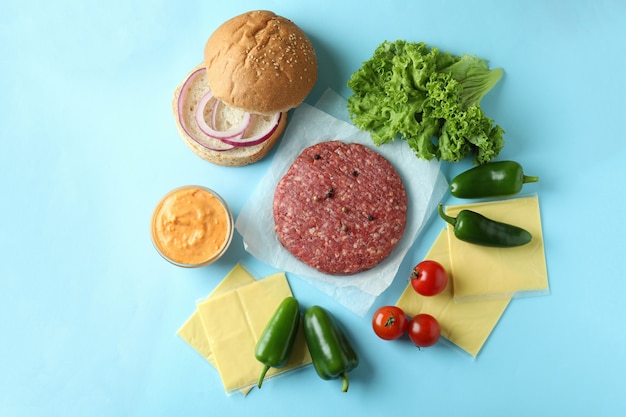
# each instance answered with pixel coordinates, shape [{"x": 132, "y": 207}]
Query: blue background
[{"x": 89, "y": 311}]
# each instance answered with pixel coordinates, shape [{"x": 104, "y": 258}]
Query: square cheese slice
[
  {"x": 482, "y": 272},
  {"x": 234, "y": 321},
  {"x": 467, "y": 325},
  {"x": 192, "y": 331}
]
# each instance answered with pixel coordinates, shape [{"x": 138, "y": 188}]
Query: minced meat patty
[{"x": 340, "y": 208}]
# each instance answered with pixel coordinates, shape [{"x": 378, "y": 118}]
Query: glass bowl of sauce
[{"x": 192, "y": 226}]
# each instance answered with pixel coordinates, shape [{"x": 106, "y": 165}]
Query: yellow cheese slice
[
  {"x": 192, "y": 331},
  {"x": 233, "y": 322},
  {"x": 484, "y": 272},
  {"x": 467, "y": 325}
]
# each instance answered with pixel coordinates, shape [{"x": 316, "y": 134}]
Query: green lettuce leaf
[{"x": 428, "y": 98}]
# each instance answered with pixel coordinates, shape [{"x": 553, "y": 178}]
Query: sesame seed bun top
[{"x": 260, "y": 62}]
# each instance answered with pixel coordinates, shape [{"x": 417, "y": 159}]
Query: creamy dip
[{"x": 192, "y": 226}]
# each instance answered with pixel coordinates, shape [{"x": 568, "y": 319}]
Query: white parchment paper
[{"x": 424, "y": 183}]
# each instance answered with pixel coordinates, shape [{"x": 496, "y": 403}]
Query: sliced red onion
[
  {"x": 208, "y": 142},
  {"x": 219, "y": 134},
  {"x": 214, "y": 114},
  {"x": 257, "y": 138},
  {"x": 209, "y": 136}
]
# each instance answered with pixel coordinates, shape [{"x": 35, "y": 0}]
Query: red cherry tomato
[
  {"x": 390, "y": 322},
  {"x": 424, "y": 330},
  {"x": 429, "y": 278}
]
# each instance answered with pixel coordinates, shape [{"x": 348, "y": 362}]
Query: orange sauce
[{"x": 191, "y": 226}]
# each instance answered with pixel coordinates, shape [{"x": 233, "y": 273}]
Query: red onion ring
[
  {"x": 214, "y": 114},
  {"x": 208, "y": 143},
  {"x": 257, "y": 138},
  {"x": 219, "y": 134}
]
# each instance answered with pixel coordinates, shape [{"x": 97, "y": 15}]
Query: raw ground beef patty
[{"x": 340, "y": 208}]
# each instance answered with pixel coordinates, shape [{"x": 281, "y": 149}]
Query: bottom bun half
[{"x": 196, "y": 86}]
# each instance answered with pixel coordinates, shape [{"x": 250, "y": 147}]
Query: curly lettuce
[{"x": 429, "y": 98}]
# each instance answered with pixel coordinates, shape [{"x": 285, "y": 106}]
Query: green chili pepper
[
  {"x": 330, "y": 350},
  {"x": 276, "y": 342},
  {"x": 473, "y": 227},
  {"x": 493, "y": 179}
]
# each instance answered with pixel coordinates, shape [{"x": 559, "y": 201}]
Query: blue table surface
[{"x": 89, "y": 311}]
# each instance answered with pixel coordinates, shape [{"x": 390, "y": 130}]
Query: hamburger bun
[
  {"x": 256, "y": 65},
  {"x": 260, "y": 62}
]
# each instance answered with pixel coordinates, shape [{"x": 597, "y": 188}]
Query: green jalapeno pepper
[
  {"x": 494, "y": 179},
  {"x": 276, "y": 341},
  {"x": 473, "y": 227},
  {"x": 331, "y": 352}
]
